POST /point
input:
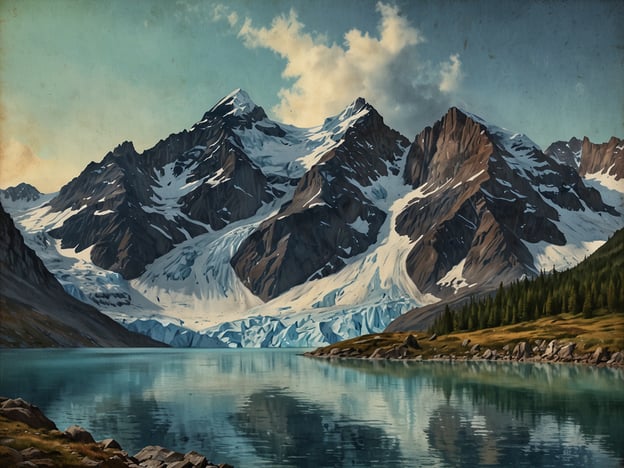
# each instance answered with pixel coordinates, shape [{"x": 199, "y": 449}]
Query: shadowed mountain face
[
  {"x": 591, "y": 158},
  {"x": 36, "y": 311},
  {"x": 242, "y": 213},
  {"x": 328, "y": 219},
  {"x": 483, "y": 192},
  {"x": 134, "y": 208},
  {"x": 21, "y": 191}
]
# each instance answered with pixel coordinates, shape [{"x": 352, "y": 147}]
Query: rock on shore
[
  {"x": 48, "y": 447},
  {"x": 383, "y": 346}
]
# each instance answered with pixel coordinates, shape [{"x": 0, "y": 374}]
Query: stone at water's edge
[
  {"x": 22, "y": 411},
  {"x": 79, "y": 434},
  {"x": 108, "y": 450}
]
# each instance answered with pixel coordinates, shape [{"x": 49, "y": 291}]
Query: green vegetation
[{"x": 594, "y": 287}]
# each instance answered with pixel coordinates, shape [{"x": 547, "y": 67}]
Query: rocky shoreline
[
  {"x": 29, "y": 439},
  {"x": 410, "y": 349}
]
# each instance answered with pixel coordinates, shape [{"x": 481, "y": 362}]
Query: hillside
[
  {"x": 35, "y": 310},
  {"x": 594, "y": 286},
  {"x": 571, "y": 316}
]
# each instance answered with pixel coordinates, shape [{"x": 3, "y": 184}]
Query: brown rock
[
  {"x": 119, "y": 462},
  {"x": 110, "y": 444},
  {"x": 158, "y": 453},
  {"x": 552, "y": 349},
  {"x": 475, "y": 348},
  {"x": 79, "y": 434},
  {"x": 433, "y": 337},
  {"x": 197, "y": 459},
  {"x": 521, "y": 351},
  {"x": 411, "y": 342},
  {"x": 616, "y": 358},
  {"x": 153, "y": 464},
  {"x": 31, "y": 452},
  {"x": 566, "y": 353},
  {"x": 181, "y": 464},
  {"x": 22, "y": 411},
  {"x": 598, "y": 356},
  {"x": 10, "y": 457},
  {"x": 86, "y": 461},
  {"x": 466, "y": 342},
  {"x": 43, "y": 462}
]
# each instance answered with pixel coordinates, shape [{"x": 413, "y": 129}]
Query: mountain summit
[{"x": 243, "y": 231}]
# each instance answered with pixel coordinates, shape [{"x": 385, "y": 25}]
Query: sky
[{"x": 78, "y": 77}]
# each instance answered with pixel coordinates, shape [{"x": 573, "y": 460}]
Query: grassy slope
[
  {"x": 53, "y": 444},
  {"x": 604, "y": 330}
]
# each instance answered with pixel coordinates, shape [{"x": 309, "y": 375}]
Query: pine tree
[
  {"x": 611, "y": 296},
  {"x": 588, "y": 307}
]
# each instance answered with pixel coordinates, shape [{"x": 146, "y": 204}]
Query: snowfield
[{"x": 191, "y": 296}]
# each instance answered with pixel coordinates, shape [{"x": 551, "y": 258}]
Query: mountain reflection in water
[
  {"x": 274, "y": 408},
  {"x": 283, "y": 428}
]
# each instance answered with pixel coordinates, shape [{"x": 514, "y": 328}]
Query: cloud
[
  {"x": 19, "y": 163},
  {"x": 220, "y": 12},
  {"x": 384, "y": 68}
]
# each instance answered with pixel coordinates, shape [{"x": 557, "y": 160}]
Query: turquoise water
[{"x": 274, "y": 408}]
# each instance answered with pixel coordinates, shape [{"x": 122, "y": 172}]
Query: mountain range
[{"x": 243, "y": 231}]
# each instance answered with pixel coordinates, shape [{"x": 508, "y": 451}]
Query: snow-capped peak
[
  {"x": 510, "y": 140},
  {"x": 238, "y": 101}
]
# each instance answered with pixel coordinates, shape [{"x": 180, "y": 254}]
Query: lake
[{"x": 275, "y": 408}]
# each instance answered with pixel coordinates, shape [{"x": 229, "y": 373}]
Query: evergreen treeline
[{"x": 595, "y": 283}]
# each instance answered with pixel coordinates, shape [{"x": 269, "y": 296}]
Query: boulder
[
  {"x": 43, "y": 463},
  {"x": 552, "y": 349},
  {"x": 475, "y": 348},
  {"x": 181, "y": 464},
  {"x": 433, "y": 337},
  {"x": 31, "y": 452},
  {"x": 598, "y": 356},
  {"x": 411, "y": 342},
  {"x": 158, "y": 453},
  {"x": 22, "y": 411},
  {"x": 196, "y": 459},
  {"x": 566, "y": 353},
  {"x": 489, "y": 354},
  {"x": 9, "y": 456},
  {"x": 466, "y": 342},
  {"x": 86, "y": 461},
  {"x": 110, "y": 444},
  {"x": 616, "y": 358},
  {"x": 79, "y": 434},
  {"x": 521, "y": 351}
]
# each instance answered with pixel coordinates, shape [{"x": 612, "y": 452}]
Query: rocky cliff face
[
  {"x": 36, "y": 311},
  {"x": 328, "y": 219},
  {"x": 258, "y": 233},
  {"x": 604, "y": 157},
  {"x": 133, "y": 208},
  {"x": 483, "y": 192},
  {"x": 591, "y": 158}
]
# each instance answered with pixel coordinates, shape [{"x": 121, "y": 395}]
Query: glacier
[{"x": 191, "y": 296}]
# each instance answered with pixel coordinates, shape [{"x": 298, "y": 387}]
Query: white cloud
[
  {"x": 220, "y": 12},
  {"x": 451, "y": 74},
  {"x": 384, "y": 68}
]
